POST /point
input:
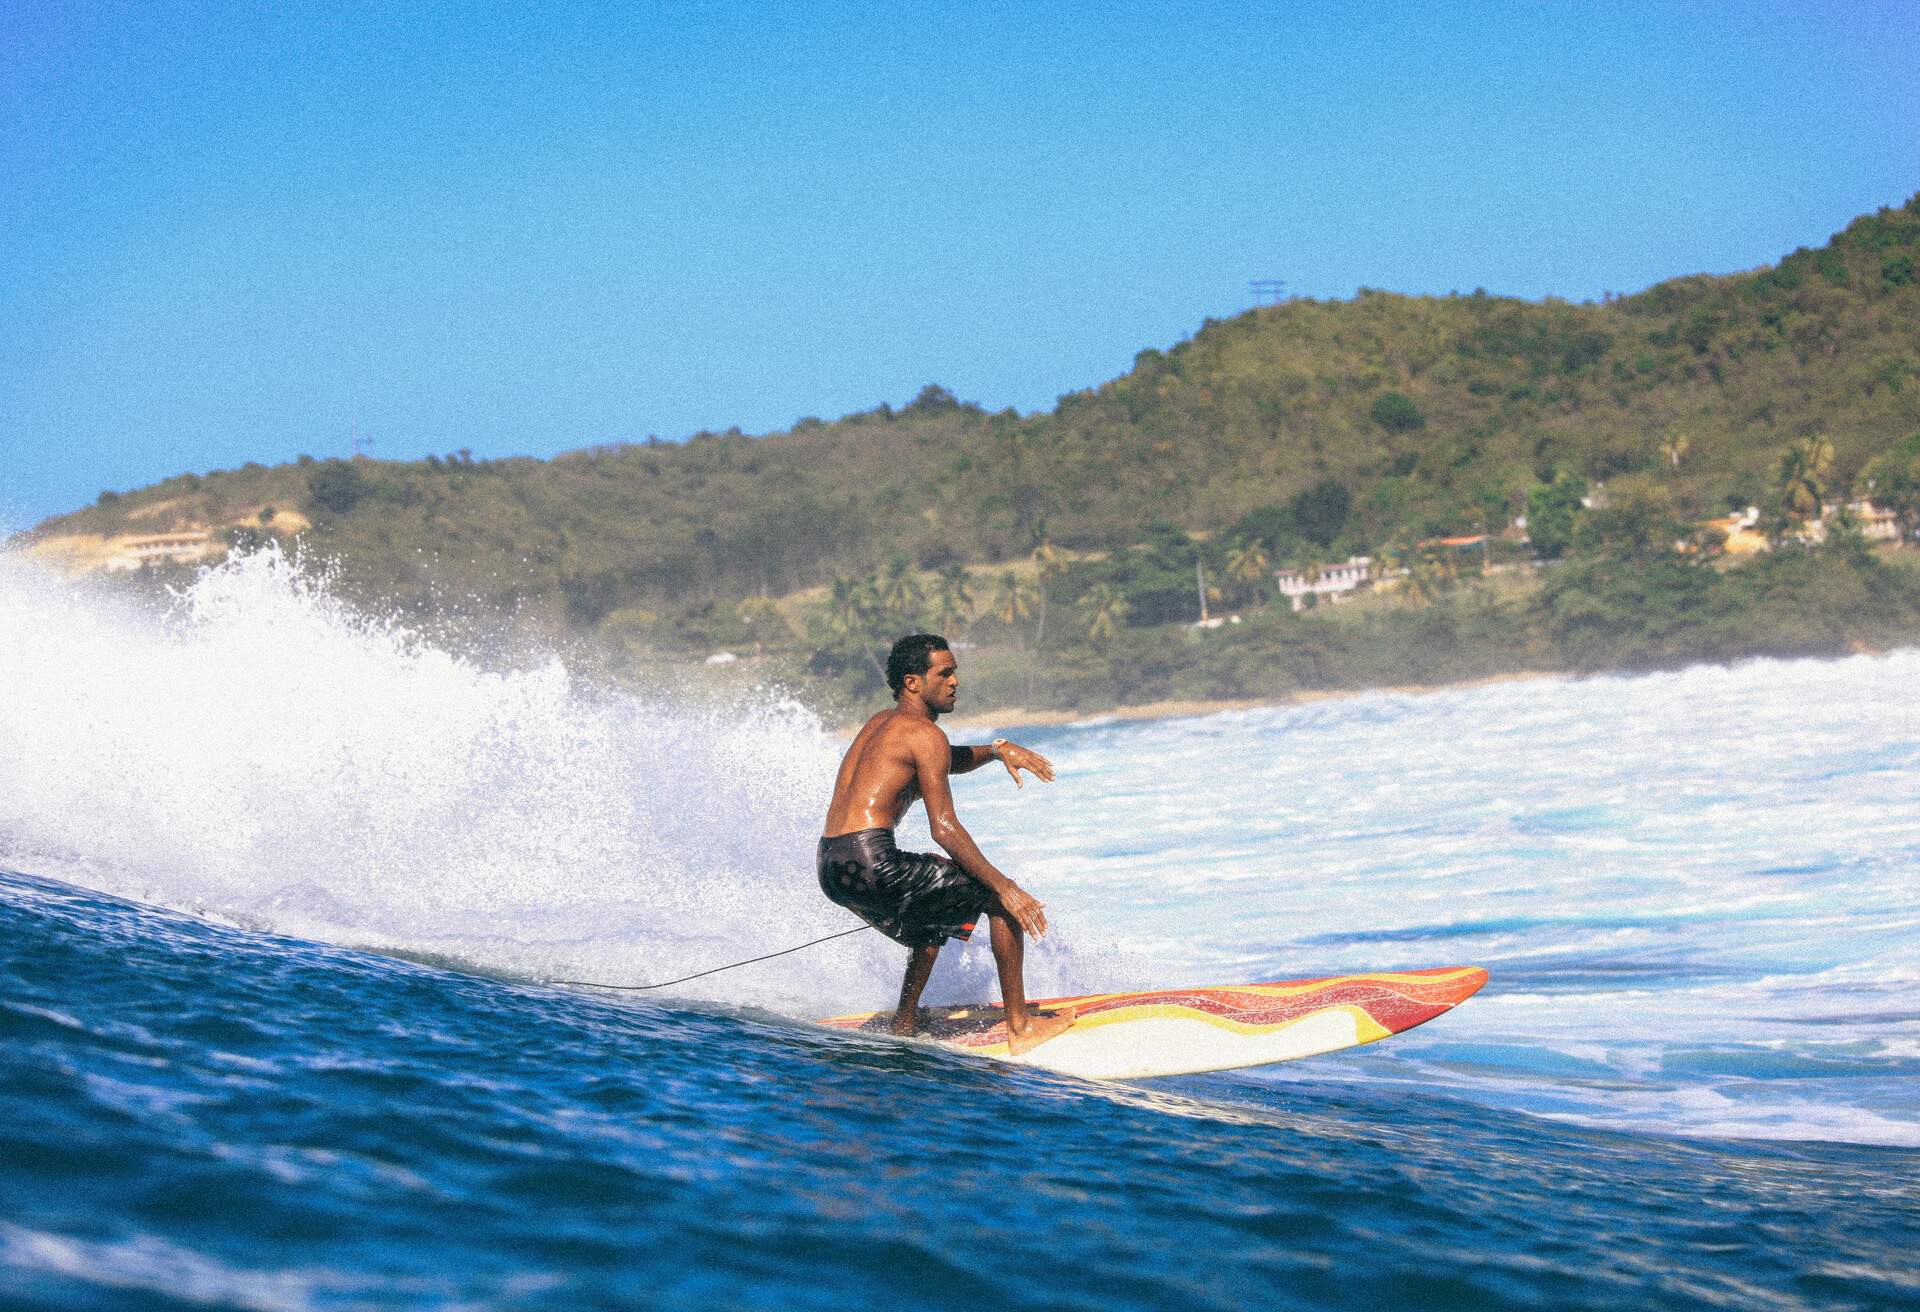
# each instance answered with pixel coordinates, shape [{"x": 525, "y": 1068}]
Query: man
[{"x": 918, "y": 900}]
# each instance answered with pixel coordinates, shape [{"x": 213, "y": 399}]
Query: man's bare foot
[
  {"x": 1039, "y": 1028},
  {"x": 905, "y": 1026}
]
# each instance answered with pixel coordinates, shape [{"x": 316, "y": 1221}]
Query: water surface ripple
[{"x": 202, "y": 1116}]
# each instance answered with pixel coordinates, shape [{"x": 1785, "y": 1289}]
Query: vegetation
[
  {"x": 1892, "y": 479},
  {"x": 1443, "y": 624},
  {"x": 1073, "y": 547}
]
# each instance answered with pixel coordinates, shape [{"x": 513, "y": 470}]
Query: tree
[
  {"x": 1274, "y": 527},
  {"x": 932, "y": 399},
  {"x": 1637, "y": 524},
  {"x": 244, "y": 539},
  {"x": 1321, "y": 511},
  {"x": 1775, "y": 524},
  {"x": 852, "y": 609},
  {"x": 1103, "y": 610},
  {"x": 1551, "y": 511},
  {"x": 1892, "y": 480},
  {"x": 1248, "y": 563},
  {"x": 1428, "y": 570},
  {"x": 1049, "y": 562},
  {"x": 1846, "y": 534},
  {"x": 898, "y": 591},
  {"x": 1674, "y": 447},
  {"x": 1803, "y": 470},
  {"x": 763, "y": 620},
  {"x": 1699, "y": 331},
  {"x": 336, "y": 487},
  {"x": 952, "y": 599},
  {"x": 1427, "y": 575},
  {"x": 1011, "y": 601},
  {"x": 1396, "y": 412}
]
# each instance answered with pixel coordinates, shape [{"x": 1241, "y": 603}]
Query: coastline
[{"x": 1017, "y": 717}]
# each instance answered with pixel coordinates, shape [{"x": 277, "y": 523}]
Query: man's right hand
[{"x": 1025, "y": 908}]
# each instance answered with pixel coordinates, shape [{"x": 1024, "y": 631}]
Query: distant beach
[{"x": 1021, "y": 717}]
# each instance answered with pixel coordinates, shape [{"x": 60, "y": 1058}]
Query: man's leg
[
  {"x": 906, "y": 1017},
  {"x": 1024, "y": 1029}
]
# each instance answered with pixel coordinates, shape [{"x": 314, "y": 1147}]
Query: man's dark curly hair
[{"x": 912, "y": 655}]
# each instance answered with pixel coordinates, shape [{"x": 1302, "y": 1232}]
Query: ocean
[{"x": 283, "y": 889}]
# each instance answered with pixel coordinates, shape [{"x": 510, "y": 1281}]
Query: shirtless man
[{"x": 918, "y": 900}]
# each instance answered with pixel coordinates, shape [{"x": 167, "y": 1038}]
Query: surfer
[{"x": 919, "y": 900}]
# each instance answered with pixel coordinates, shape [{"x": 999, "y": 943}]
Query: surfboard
[{"x": 1131, "y": 1036}]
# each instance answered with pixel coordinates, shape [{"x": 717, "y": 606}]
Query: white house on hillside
[
  {"x": 1329, "y": 581},
  {"x": 180, "y": 548}
]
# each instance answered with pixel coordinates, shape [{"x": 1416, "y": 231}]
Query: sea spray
[{"x": 266, "y": 754}]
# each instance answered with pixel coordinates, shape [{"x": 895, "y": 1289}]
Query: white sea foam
[
  {"x": 268, "y": 756},
  {"x": 1695, "y": 890}
]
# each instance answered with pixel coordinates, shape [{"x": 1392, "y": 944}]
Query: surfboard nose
[{"x": 1452, "y": 985}]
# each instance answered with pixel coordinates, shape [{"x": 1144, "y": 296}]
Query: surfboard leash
[{"x": 595, "y": 984}]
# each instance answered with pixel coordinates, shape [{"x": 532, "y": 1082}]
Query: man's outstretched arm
[
  {"x": 1011, "y": 754},
  {"x": 931, "y": 760}
]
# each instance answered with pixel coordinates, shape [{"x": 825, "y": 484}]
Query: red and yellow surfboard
[{"x": 1129, "y": 1036}]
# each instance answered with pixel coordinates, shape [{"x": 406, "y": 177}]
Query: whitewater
[{"x": 262, "y": 808}]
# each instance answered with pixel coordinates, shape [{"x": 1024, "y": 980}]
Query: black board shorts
[{"x": 911, "y": 897}]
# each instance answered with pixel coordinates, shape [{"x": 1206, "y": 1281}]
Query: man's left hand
[{"x": 1017, "y": 758}]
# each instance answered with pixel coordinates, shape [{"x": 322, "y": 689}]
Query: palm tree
[
  {"x": 1674, "y": 447},
  {"x": 1416, "y": 589},
  {"x": 898, "y": 591},
  {"x": 1427, "y": 574},
  {"x": 1247, "y": 561},
  {"x": 1802, "y": 473},
  {"x": 1012, "y": 599},
  {"x": 852, "y": 609},
  {"x": 1011, "y": 602},
  {"x": 952, "y": 600},
  {"x": 1049, "y": 561},
  {"x": 1103, "y": 609}
]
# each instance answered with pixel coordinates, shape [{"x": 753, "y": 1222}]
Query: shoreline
[{"x": 1018, "y": 717}]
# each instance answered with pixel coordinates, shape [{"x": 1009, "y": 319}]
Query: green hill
[{"x": 1316, "y": 428}]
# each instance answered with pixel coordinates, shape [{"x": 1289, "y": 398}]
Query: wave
[{"x": 265, "y": 754}]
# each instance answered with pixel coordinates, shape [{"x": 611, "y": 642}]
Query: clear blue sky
[{"x": 241, "y": 233}]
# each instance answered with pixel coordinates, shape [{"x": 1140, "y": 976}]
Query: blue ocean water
[{"x": 281, "y": 886}]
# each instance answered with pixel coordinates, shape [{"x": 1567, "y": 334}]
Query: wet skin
[{"x": 902, "y": 755}]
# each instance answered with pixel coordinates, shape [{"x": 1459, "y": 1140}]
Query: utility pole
[
  {"x": 1268, "y": 291},
  {"x": 1200, "y": 582}
]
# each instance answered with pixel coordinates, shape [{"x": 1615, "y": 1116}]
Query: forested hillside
[{"x": 1305, "y": 431}]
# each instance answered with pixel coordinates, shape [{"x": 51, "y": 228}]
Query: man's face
[{"x": 940, "y": 685}]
